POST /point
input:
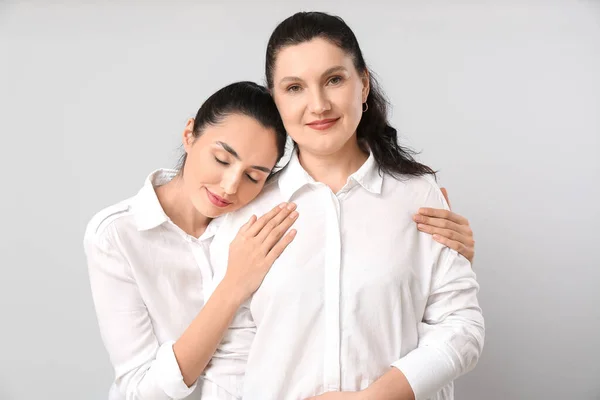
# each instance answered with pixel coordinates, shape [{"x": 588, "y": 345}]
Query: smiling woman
[
  {"x": 230, "y": 148},
  {"x": 147, "y": 260},
  {"x": 361, "y": 305},
  {"x": 221, "y": 169}
]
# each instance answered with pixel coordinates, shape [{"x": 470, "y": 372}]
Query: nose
[
  {"x": 319, "y": 103},
  {"x": 231, "y": 182}
]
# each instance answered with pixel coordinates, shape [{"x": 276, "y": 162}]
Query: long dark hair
[
  {"x": 373, "y": 131},
  {"x": 245, "y": 98}
]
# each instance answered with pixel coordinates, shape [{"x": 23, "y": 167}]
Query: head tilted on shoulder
[
  {"x": 231, "y": 148},
  {"x": 327, "y": 97}
]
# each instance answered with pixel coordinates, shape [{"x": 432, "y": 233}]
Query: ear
[
  {"x": 188, "y": 135},
  {"x": 366, "y": 85}
]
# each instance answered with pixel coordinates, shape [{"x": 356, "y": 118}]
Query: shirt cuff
[
  {"x": 427, "y": 370},
  {"x": 169, "y": 375}
]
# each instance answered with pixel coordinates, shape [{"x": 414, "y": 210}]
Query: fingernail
[
  {"x": 282, "y": 205},
  {"x": 417, "y": 218},
  {"x": 420, "y": 226},
  {"x": 436, "y": 236},
  {"x": 294, "y": 215},
  {"x": 291, "y": 206}
]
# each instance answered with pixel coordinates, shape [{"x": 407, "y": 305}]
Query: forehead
[
  {"x": 248, "y": 137},
  {"x": 310, "y": 57}
]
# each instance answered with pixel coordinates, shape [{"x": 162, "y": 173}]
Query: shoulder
[
  {"x": 232, "y": 222},
  {"x": 269, "y": 197},
  {"x": 422, "y": 190},
  {"x": 102, "y": 226}
]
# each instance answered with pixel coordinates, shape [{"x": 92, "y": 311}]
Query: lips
[
  {"x": 217, "y": 200},
  {"x": 323, "y": 124}
]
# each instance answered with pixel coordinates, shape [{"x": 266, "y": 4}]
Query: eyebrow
[
  {"x": 234, "y": 153},
  {"x": 329, "y": 71}
]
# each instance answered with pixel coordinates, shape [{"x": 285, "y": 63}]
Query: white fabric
[
  {"x": 359, "y": 290},
  {"x": 148, "y": 280}
]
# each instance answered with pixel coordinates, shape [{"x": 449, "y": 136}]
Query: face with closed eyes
[
  {"x": 319, "y": 94},
  {"x": 227, "y": 164}
]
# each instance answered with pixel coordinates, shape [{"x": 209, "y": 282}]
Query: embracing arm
[
  {"x": 448, "y": 228},
  {"x": 251, "y": 255},
  {"x": 145, "y": 368}
]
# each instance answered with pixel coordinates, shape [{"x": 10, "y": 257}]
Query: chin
[
  {"x": 208, "y": 209},
  {"x": 213, "y": 213},
  {"x": 325, "y": 147},
  {"x": 327, "y": 144}
]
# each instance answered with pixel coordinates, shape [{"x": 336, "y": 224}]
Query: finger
[
  {"x": 278, "y": 249},
  {"x": 444, "y": 214},
  {"x": 277, "y": 232},
  {"x": 467, "y": 252},
  {"x": 445, "y": 193},
  {"x": 443, "y": 223},
  {"x": 275, "y": 222},
  {"x": 262, "y": 221},
  {"x": 248, "y": 224},
  {"x": 466, "y": 241}
]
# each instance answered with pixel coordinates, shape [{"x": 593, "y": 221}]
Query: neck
[
  {"x": 334, "y": 169},
  {"x": 178, "y": 207}
]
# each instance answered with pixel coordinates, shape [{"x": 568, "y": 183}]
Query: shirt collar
[
  {"x": 294, "y": 177},
  {"x": 148, "y": 211},
  {"x": 369, "y": 176}
]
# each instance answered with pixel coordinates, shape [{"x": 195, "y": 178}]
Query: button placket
[
  {"x": 332, "y": 378},
  {"x": 201, "y": 257}
]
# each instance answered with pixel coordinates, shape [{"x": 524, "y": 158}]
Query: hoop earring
[{"x": 366, "y": 107}]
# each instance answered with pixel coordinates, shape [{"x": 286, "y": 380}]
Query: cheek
[
  {"x": 199, "y": 172},
  {"x": 290, "y": 109},
  {"x": 356, "y": 110},
  {"x": 248, "y": 192},
  {"x": 352, "y": 107},
  {"x": 351, "y": 101}
]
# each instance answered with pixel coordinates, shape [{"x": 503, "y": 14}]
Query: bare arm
[{"x": 251, "y": 255}]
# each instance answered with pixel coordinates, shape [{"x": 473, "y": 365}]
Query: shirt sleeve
[
  {"x": 144, "y": 369},
  {"x": 451, "y": 333}
]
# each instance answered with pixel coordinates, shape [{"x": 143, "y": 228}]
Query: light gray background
[{"x": 502, "y": 96}]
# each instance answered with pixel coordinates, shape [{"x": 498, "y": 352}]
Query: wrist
[{"x": 231, "y": 292}]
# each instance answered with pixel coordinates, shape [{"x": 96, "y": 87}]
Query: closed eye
[
  {"x": 221, "y": 161},
  {"x": 251, "y": 179}
]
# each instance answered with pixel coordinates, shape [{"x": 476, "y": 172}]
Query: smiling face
[
  {"x": 319, "y": 95},
  {"x": 227, "y": 165}
]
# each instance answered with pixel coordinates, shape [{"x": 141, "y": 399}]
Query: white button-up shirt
[
  {"x": 360, "y": 289},
  {"x": 148, "y": 280}
]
